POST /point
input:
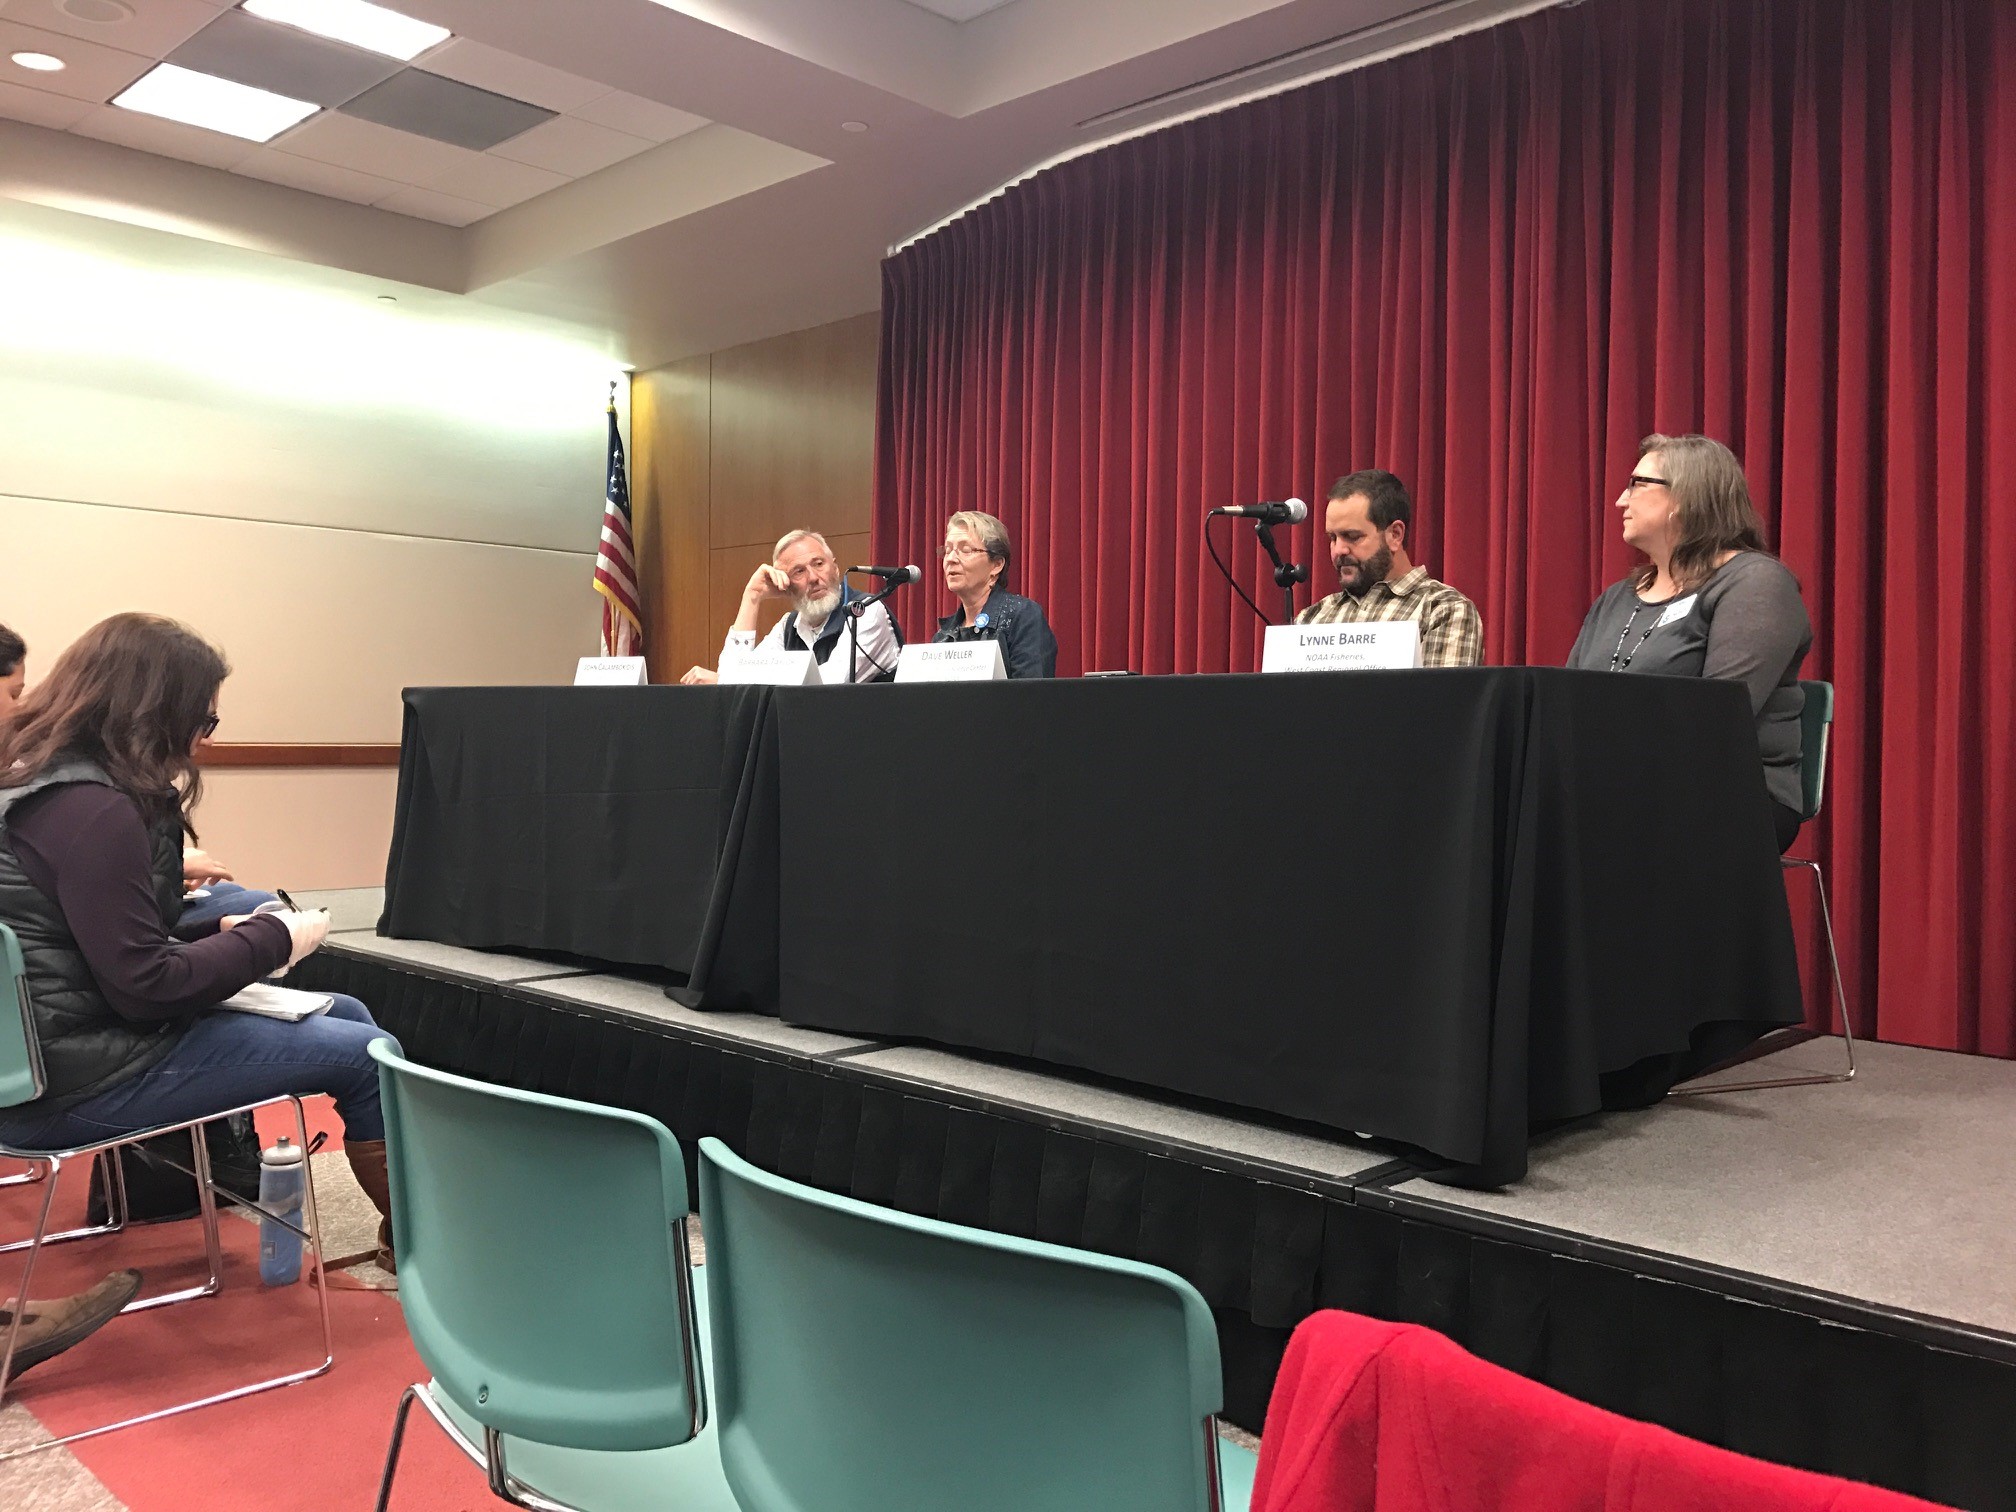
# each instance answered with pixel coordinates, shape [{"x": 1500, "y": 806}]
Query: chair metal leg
[
  {"x": 1817, "y": 1078},
  {"x": 487, "y": 1457},
  {"x": 115, "y": 1208},
  {"x": 27, "y": 1278},
  {"x": 207, "y": 1195},
  {"x": 36, "y": 1172},
  {"x": 392, "y": 1452}
]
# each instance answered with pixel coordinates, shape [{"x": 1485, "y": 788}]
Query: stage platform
[{"x": 1823, "y": 1276}]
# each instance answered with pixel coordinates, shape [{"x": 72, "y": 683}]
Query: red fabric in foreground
[
  {"x": 1387, "y": 1417},
  {"x": 1492, "y": 266}
]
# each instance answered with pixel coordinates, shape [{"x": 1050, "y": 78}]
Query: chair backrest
[
  {"x": 20, "y": 1057},
  {"x": 866, "y": 1359},
  {"x": 542, "y": 1259},
  {"x": 1816, "y": 720}
]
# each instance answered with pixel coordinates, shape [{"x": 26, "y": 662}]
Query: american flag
[{"x": 616, "y": 559}]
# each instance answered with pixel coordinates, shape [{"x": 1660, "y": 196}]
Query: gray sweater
[{"x": 1746, "y": 623}]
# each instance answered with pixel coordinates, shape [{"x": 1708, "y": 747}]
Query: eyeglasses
[
  {"x": 964, "y": 550},
  {"x": 208, "y": 728},
  {"x": 1638, "y": 481}
]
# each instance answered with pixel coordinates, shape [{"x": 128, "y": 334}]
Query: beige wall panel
[
  {"x": 299, "y": 828},
  {"x": 323, "y": 627},
  {"x": 668, "y": 500},
  {"x": 794, "y": 434}
]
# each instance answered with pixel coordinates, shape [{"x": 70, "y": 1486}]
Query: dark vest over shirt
[{"x": 86, "y": 1046}]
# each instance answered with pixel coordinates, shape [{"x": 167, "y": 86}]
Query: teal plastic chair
[
  {"x": 547, "y": 1284},
  {"x": 865, "y": 1359},
  {"x": 1816, "y": 726},
  {"x": 21, "y": 1082}
]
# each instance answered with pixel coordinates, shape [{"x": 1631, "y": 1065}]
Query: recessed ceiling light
[
  {"x": 200, "y": 99},
  {"x": 357, "y": 22},
  {"x": 853, "y": 125},
  {"x": 40, "y": 62},
  {"x": 97, "y": 12}
]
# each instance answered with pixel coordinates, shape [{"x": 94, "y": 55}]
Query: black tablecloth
[
  {"x": 635, "y": 826},
  {"x": 1440, "y": 907}
]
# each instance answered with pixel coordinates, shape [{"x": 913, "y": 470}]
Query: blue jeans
[
  {"x": 201, "y": 916},
  {"x": 226, "y": 1060}
]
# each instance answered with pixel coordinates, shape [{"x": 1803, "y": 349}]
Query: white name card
[
  {"x": 775, "y": 668},
  {"x": 609, "y": 672},
  {"x": 1342, "y": 648},
  {"x": 955, "y": 661}
]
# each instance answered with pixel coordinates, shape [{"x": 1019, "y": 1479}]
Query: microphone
[
  {"x": 895, "y": 577},
  {"x": 1283, "y": 512}
]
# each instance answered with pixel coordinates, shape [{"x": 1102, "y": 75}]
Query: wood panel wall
[{"x": 729, "y": 451}]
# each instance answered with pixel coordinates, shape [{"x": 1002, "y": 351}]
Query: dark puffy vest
[{"x": 86, "y": 1046}]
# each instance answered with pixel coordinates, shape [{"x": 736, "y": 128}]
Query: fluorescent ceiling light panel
[
  {"x": 198, "y": 99},
  {"x": 357, "y": 22}
]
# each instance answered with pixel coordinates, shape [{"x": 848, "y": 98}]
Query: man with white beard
[{"x": 802, "y": 569}]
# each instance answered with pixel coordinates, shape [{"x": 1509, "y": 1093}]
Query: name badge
[
  {"x": 955, "y": 661},
  {"x": 1676, "y": 611},
  {"x": 609, "y": 672},
  {"x": 1385, "y": 647},
  {"x": 775, "y": 668}
]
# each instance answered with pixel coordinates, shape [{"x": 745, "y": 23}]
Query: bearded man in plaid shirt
[{"x": 1366, "y": 523}]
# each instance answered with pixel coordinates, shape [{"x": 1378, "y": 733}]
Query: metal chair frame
[
  {"x": 1799, "y": 863},
  {"x": 207, "y": 1192}
]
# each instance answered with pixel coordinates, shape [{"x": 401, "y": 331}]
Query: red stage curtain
[{"x": 1491, "y": 267}]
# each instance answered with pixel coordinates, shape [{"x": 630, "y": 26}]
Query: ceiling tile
[
  {"x": 508, "y": 74},
  {"x": 277, "y": 167},
  {"x": 428, "y": 105},
  {"x": 638, "y": 116},
  {"x": 96, "y": 72},
  {"x": 130, "y": 128},
  {"x": 283, "y": 60},
  {"x": 570, "y": 146},
  {"x": 428, "y": 205},
  {"x": 41, "y": 108},
  {"x": 151, "y": 27},
  {"x": 366, "y": 147},
  {"x": 495, "y": 181}
]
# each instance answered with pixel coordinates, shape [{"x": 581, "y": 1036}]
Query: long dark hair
[{"x": 132, "y": 693}]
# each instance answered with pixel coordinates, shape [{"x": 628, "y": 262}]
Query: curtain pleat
[{"x": 1491, "y": 267}]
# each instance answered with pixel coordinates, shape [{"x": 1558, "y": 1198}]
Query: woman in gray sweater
[{"x": 1708, "y": 601}]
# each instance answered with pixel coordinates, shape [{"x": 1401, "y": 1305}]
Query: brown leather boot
[
  {"x": 367, "y": 1164},
  {"x": 48, "y": 1328}
]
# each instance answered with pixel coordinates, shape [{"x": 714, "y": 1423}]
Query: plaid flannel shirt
[{"x": 1452, "y": 632}]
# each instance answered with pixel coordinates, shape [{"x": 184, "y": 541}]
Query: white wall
[{"x": 349, "y": 496}]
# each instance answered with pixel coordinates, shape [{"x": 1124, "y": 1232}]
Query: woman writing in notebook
[{"x": 98, "y": 776}]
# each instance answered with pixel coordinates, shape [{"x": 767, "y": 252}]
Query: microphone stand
[
  {"x": 1286, "y": 574},
  {"x": 854, "y": 609}
]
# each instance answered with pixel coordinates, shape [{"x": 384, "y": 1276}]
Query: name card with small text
[
  {"x": 775, "y": 668},
  {"x": 1383, "y": 647},
  {"x": 955, "y": 661},
  {"x": 609, "y": 672}
]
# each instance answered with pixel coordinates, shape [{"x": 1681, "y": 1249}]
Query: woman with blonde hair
[
  {"x": 1709, "y": 600},
  {"x": 975, "y": 562}
]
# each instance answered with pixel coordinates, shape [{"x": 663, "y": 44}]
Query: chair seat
[{"x": 685, "y": 1477}]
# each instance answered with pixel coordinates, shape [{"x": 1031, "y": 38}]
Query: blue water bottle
[{"x": 280, "y": 1185}]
